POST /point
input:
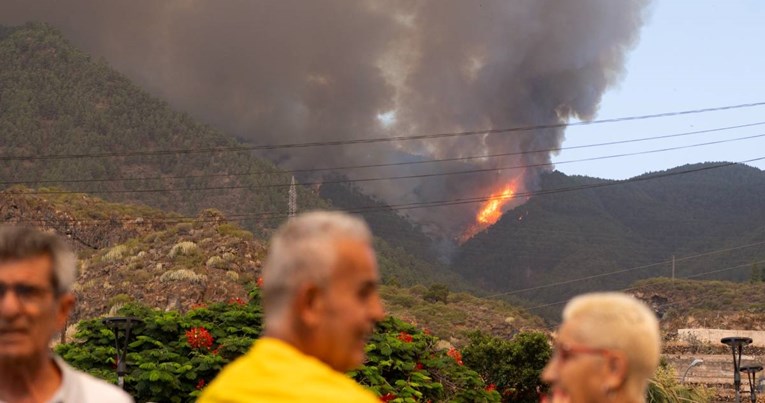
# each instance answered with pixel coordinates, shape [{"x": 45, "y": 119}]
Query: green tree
[
  {"x": 436, "y": 293},
  {"x": 757, "y": 275},
  {"x": 513, "y": 366}
]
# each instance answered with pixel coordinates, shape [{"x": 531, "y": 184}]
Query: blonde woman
[{"x": 607, "y": 349}]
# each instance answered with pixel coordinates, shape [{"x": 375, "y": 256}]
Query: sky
[{"x": 692, "y": 54}]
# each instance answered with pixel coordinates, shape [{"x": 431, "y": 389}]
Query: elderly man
[
  {"x": 321, "y": 302},
  {"x": 36, "y": 272}
]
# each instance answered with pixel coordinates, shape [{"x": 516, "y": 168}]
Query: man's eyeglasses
[
  {"x": 564, "y": 353},
  {"x": 27, "y": 294}
]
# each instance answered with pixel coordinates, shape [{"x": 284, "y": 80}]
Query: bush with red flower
[
  {"x": 387, "y": 397},
  {"x": 237, "y": 301},
  {"x": 199, "y": 338},
  {"x": 403, "y": 362},
  {"x": 174, "y": 354},
  {"x": 405, "y": 337},
  {"x": 513, "y": 366},
  {"x": 455, "y": 354}
]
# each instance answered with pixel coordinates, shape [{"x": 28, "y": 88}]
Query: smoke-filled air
[{"x": 275, "y": 72}]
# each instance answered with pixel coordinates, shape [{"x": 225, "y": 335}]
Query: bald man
[{"x": 321, "y": 302}]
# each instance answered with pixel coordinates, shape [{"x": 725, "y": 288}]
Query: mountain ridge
[{"x": 557, "y": 238}]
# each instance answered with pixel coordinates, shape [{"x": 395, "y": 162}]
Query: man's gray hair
[
  {"x": 303, "y": 250},
  {"x": 19, "y": 243}
]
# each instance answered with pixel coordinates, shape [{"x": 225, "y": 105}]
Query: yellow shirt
[{"x": 274, "y": 371}]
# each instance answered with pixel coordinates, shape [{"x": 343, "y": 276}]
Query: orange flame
[{"x": 490, "y": 211}]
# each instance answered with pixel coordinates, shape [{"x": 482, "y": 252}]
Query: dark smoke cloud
[{"x": 293, "y": 71}]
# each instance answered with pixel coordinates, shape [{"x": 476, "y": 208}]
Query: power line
[
  {"x": 416, "y": 176},
  {"x": 310, "y": 170},
  {"x": 378, "y": 139},
  {"x": 469, "y": 200}
]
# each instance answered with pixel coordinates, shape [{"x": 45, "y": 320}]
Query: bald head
[{"x": 305, "y": 250}]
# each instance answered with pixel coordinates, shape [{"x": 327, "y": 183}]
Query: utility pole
[
  {"x": 673, "y": 267},
  {"x": 292, "y": 203}
]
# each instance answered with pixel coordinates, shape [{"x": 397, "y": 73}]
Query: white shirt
[{"x": 79, "y": 387}]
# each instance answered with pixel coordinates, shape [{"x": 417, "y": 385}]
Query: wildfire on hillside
[{"x": 491, "y": 210}]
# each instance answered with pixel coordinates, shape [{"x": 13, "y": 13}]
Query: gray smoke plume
[{"x": 293, "y": 71}]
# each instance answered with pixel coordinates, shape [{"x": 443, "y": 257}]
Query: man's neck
[
  {"x": 29, "y": 381},
  {"x": 625, "y": 396},
  {"x": 285, "y": 336}
]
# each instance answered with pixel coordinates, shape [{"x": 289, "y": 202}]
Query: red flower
[
  {"x": 455, "y": 354},
  {"x": 260, "y": 282},
  {"x": 201, "y": 384},
  {"x": 387, "y": 397},
  {"x": 419, "y": 366},
  {"x": 405, "y": 337},
  {"x": 199, "y": 338},
  {"x": 237, "y": 301},
  {"x": 491, "y": 387}
]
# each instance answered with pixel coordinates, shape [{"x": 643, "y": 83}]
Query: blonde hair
[
  {"x": 304, "y": 250},
  {"x": 620, "y": 322}
]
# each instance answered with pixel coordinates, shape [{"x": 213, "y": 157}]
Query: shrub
[
  {"x": 404, "y": 365},
  {"x": 234, "y": 231},
  {"x": 403, "y": 299},
  {"x": 173, "y": 355},
  {"x": 182, "y": 275},
  {"x": 215, "y": 262},
  {"x": 172, "y": 352},
  {"x": 513, "y": 366},
  {"x": 120, "y": 299},
  {"x": 184, "y": 228},
  {"x": 437, "y": 293},
  {"x": 183, "y": 248},
  {"x": 115, "y": 253},
  {"x": 664, "y": 388},
  {"x": 232, "y": 275},
  {"x": 140, "y": 276}
]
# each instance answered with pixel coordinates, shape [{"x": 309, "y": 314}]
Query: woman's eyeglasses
[{"x": 564, "y": 353}]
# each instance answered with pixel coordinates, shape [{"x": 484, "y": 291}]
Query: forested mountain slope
[{"x": 591, "y": 232}]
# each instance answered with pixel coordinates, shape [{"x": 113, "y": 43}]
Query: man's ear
[
  {"x": 616, "y": 372},
  {"x": 309, "y": 304},
  {"x": 64, "y": 306}
]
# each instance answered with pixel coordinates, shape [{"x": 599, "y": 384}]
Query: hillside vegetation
[
  {"x": 132, "y": 253},
  {"x": 57, "y": 101},
  {"x": 631, "y": 230},
  {"x": 704, "y": 303},
  {"x": 70, "y": 124},
  {"x": 453, "y": 315}
]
